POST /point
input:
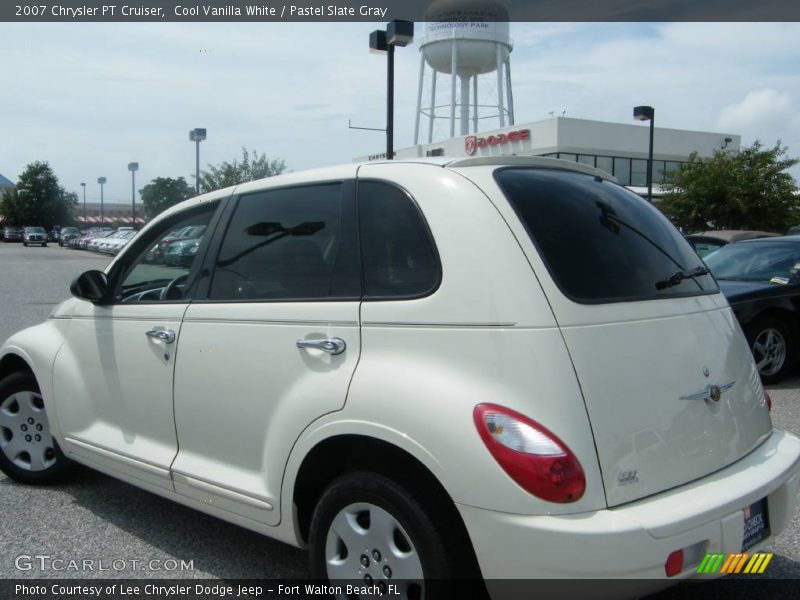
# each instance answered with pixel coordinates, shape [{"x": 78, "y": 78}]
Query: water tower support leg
[
  {"x": 475, "y": 104},
  {"x": 453, "y": 66},
  {"x": 500, "y": 108},
  {"x": 465, "y": 105},
  {"x": 432, "y": 114},
  {"x": 509, "y": 93},
  {"x": 419, "y": 96}
]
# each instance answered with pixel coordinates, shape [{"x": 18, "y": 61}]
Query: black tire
[
  {"x": 443, "y": 551},
  {"x": 25, "y": 244},
  {"x": 61, "y": 467},
  {"x": 44, "y": 245},
  {"x": 756, "y": 332}
]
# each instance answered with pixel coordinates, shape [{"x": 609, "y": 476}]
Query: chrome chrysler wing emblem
[{"x": 711, "y": 392}]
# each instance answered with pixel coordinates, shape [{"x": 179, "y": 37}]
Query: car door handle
[
  {"x": 329, "y": 345},
  {"x": 162, "y": 335}
]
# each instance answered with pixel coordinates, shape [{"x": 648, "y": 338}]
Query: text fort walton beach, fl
[{"x": 203, "y": 10}]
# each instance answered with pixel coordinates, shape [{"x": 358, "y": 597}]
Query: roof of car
[
  {"x": 791, "y": 239},
  {"x": 735, "y": 235},
  {"x": 501, "y": 161},
  {"x": 347, "y": 171}
]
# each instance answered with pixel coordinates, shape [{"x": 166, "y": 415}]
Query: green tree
[
  {"x": 38, "y": 199},
  {"x": 751, "y": 189},
  {"x": 163, "y": 192},
  {"x": 249, "y": 168}
]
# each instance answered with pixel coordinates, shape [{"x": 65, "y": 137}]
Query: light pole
[
  {"x": 197, "y": 135},
  {"x": 101, "y": 181},
  {"x": 83, "y": 185},
  {"x": 647, "y": 113},
  {"x": 397, "y": 33},
  {"x": 133, "y": 167}
]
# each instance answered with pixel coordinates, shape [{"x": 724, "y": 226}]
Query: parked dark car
[
  {"x": 66, "y": 234},
  {"x": 12, "y": 234},
  {"x": 761, "y": 280},
  {"x": 158, "y": 252},
  {"x": 34, "y": 235},
  {"x": 708, "y": 241}
]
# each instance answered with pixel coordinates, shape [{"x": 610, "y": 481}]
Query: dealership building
[{"x": 620, "y": 149}]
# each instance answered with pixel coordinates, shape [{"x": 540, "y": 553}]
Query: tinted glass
[
  {"x": 600, "y": 242},
  {"x": 397, "y": 253},
  {"x": 606, "y": 163},
  {"x": 703, "y": 249},
  {"x": 622, "y": 170},
  {"x": 778, "y": 262},
  {"x": 639, "y": 172},
  {"x": 159, "y": 274},
  {"x": 283, "y": 244}
]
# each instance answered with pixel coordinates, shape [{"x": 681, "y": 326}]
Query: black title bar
[{"x": 411, "y": 10}]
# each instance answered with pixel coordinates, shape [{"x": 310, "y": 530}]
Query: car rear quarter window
[
  {"x": 288, "y": 244},
  {"x": 600, "y": 242},
  {"x": 398, "y": 256}
]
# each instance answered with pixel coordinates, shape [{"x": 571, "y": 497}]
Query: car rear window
[{"x": 600, "y": 242}]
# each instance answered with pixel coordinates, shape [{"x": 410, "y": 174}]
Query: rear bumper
[{"x": 633, "y": 541}]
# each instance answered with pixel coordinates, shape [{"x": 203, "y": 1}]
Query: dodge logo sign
[{"x": 470, "y": 145}]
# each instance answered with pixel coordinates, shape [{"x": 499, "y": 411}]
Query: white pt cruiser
[{"x": 506, "y": 367}]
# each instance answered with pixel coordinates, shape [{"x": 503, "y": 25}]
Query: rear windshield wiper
[{"x": 679, "y": 276}]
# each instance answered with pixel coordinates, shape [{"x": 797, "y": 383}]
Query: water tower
[{"x": 466, "y": 39}]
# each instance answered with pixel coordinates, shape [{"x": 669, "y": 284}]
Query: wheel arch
[
  {"x": 343, "y": 452},
  {"x": 13, "y": 362},
  {"x": 340, "y": 453}
]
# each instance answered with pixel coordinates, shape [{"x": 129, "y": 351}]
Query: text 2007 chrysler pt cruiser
[{"x": 510, "y": 367}]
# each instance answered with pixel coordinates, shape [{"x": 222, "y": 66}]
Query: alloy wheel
[{"x": 769, "y": 350}]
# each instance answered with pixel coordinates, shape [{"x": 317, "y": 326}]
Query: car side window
[
  {"x": 397, "y": 252},
  {"x": 287, "y": 243},
  {"x": 160, "y": 272}
]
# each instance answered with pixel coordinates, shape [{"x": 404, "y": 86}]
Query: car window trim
[
  {"x": 428, "y": 233},
  {"x": 348, "y": 201},
  {"x": 123, "y": 268},
  {"x": 555, "y": 280}
]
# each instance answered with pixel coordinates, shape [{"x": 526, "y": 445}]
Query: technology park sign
[{"x": 472, "y": 143}]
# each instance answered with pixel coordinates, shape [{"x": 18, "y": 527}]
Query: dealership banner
[{"x": 455, "y": 11}]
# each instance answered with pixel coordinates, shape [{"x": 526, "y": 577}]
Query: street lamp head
[
  {"x": 377, "y": 42},
  {"x": 83, "y": 184},
  {"x": 644, "y": 113},
  {"x": 197, "y": 134},
  {"x": 400, "y": 33},
  {"x": 134, "y": 166},
  {"x": 101, "y": 180}
]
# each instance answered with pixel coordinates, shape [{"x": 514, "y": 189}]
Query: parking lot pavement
[{"x": 96, "y": 517}]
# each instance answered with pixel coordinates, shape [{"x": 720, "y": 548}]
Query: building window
[
  {"x": 622, "y": 170},
  {"x": 658, "y": 171},
  {"x": 435, "y": 152},
  {"x": 567, "y": 156},
  {"x": 586, "y": 159},
  {"x": 605, "y": 163},
  {"x": 672, "y": 166},
  {"x": 639, "y": 172}
]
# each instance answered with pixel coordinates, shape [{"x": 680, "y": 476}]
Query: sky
[{"x": 91, "y": 97}]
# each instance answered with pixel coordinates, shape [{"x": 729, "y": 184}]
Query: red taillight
[
  {"x": 768, "y": 401},
  {"x": 674, "y": 564},
  {"x": 531, "y": 455}
]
